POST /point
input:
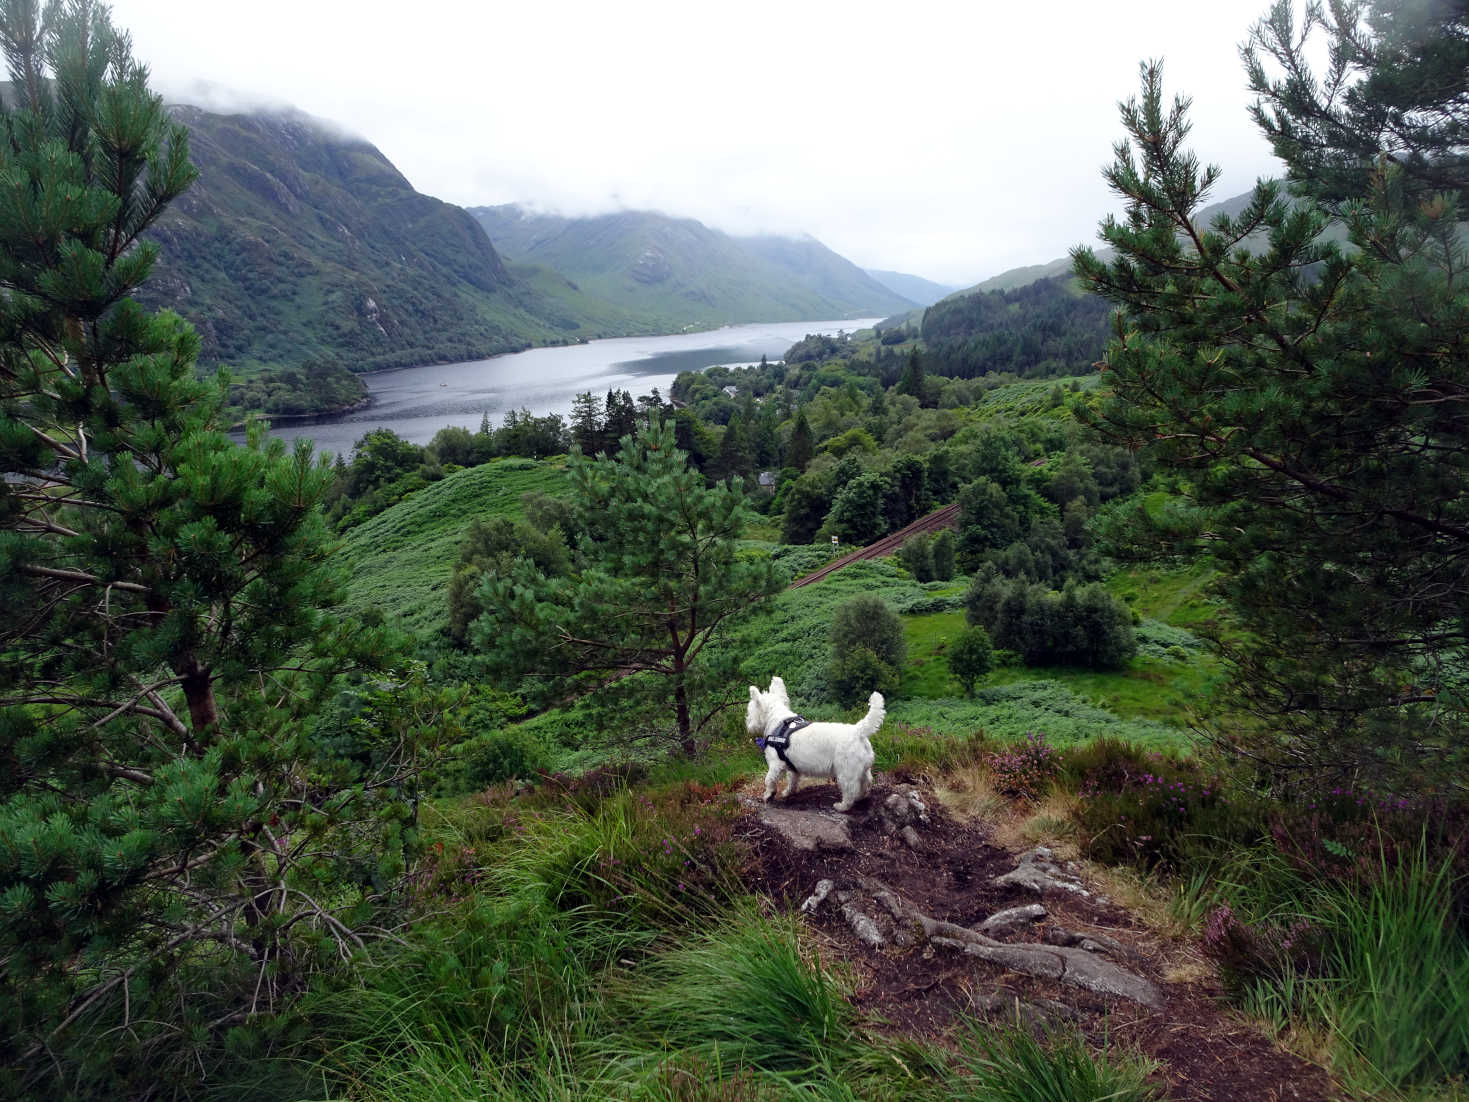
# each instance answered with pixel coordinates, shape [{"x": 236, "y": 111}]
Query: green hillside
[
  {"x": 301, "y": 242},
  {"x": 680, "y": 273},
  {"x": 399, "y": 561},
  {"x": 1014, "y": 278}
]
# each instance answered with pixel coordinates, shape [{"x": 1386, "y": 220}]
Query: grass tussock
[
  {"x": 1381, "y": 966},
  {"x": 746, "y": 990},
  {"x": 1013, "y": 1066}
]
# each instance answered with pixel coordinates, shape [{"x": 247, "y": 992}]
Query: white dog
[{"x": 792, "y": 745}]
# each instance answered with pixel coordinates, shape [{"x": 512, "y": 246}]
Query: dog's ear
[
  {"x": 778, "y": 690},
  {"x": 754, "y": 695}
]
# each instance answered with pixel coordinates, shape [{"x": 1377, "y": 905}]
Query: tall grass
[
  {"x": 744, "y": 990},
  {"x": 1378, "y": 962},
  {"x": 1013, "y": 1066},
  {"x": 1397, "y": 967},
  {"x": 532, "y": 905}
]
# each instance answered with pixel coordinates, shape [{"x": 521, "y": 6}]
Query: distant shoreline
[{"x": 367, "y": 401}]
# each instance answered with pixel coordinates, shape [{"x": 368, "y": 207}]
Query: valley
[{"x": 406, "y": 598}]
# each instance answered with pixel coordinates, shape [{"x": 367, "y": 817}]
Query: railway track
[{"x": 939, "y": 518}]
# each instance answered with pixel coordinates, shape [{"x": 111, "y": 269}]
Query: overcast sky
[{"x": 948, "y": 139}]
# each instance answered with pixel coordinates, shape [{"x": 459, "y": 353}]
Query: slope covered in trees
[{"x": 1043, "y": 328}]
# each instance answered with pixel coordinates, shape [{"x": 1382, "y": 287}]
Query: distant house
[
  {"x": 767, "y": 481},
  {"x": 732, "y": 390}
]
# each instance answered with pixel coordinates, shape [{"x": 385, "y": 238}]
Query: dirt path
[
  {"x": 945, "y": 869},
  {"x": 946, "y": 517}
]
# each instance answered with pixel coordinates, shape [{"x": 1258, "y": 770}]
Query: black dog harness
[{"x": 779, "y": 740}]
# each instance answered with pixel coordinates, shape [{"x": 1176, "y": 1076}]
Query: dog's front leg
[
  {"x": 772, "y": 775},
  {"x": 792, "y": 786}
]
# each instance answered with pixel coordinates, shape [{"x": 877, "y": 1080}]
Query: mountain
[
  {"x": 925, "y": 292},
  {"x": 1031, "y": 320},
  {"x": 1014, "y": 278},
  {"x": 299, "y": 241},
  {"x": 677, "y": 272}
]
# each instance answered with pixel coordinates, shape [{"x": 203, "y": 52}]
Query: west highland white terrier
[{"x": 796, "y": 746}]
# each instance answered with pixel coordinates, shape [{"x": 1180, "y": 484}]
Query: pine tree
[
  {"x": 766, "y": 441},
  {"x": 586, "y": 424},
  {"x": 1395, "y": 92},
  {"x": 802, "y": 445},
  {"x": 659, "y": 581},
  {"x": 736, "y": 452},
  {"x": 912, "y": 381},
  {"x": 166, "y": 817},
  {"x": 1317, "y": 399},
  {"x": 621, "y": 419},
  {"x": 943, "y": 555}
]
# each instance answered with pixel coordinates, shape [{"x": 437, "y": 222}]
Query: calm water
[{"x": 416, "y": 402}]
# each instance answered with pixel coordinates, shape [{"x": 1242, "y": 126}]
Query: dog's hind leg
[{"x": 851, "y": 786}]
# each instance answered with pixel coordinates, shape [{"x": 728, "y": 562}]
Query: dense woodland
[{"x": 418, "y": 773}]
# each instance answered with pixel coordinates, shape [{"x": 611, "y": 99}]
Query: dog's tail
[{"x": 876, "y": 712}]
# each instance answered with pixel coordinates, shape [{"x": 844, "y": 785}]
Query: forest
[{"x": 426, "y": 772}]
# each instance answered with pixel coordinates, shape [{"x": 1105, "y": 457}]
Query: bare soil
[{"x": 1206, "y": 1054}]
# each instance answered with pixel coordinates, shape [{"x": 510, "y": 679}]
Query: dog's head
[{"x": 757, "y": 714}]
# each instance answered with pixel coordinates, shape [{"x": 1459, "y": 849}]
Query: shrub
[
  {"x": 859, "y": 672},
  {"x": 917, "y": 556},
  {"x": 865, "y": 624},
  {"x": 504, "y": 756},
  {"x": 1248, "y": 953},
  {"x": 943, "y": 555},
  {"x": 1150, "y": 810},
  {"x": 1025, "y": 769},
  {"x": 971, "y": 657}
]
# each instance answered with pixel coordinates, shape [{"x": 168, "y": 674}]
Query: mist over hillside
[
  {"x": 301, "y": 241},
  {"x": 685, "y": 273}
]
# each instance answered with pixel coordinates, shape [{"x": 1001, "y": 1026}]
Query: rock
[
  {"x": 1039, "y": 872},
  {"x": 1011, "y": 919},
  {"x": 901, "y": 810},
  {"x": 1092, "y": 943},
  {"x": 809, "y": 830},
  {"x": 910, "y": 838},
  {"x": 816, "y": 898},
  {"x": 1072, "y": 966},
  {"x": 862, "y": 925},
  {"x": 1038, "y": 1016}
]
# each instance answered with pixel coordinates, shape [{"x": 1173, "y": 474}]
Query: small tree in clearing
[
  {"x": 867, "y": 648},
  {"x": 971, "y": 657},
  {"x": 657, "y": 578}
]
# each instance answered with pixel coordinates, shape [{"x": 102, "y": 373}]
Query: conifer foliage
[
  {"x": 1315, "y": 396},
  {"x": 657, "y": 579},
  {"x": 167, "y": 823}
]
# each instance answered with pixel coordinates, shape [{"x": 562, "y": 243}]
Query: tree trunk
[
  {"x": 681, "y": 709},
  {"x": 198, "y": 689}
]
